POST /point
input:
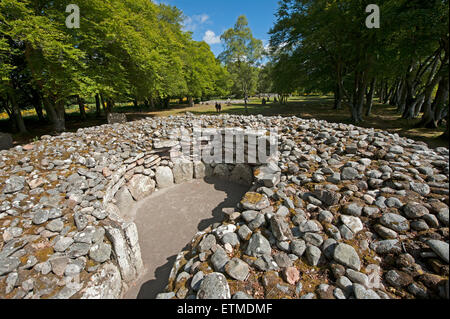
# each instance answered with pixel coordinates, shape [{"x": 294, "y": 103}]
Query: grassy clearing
[{"x": 383, "y": 117}]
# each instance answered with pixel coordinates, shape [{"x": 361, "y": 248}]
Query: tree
[
  {"x": 331, "y": 46},
  {"x": 242, "y": 55}
]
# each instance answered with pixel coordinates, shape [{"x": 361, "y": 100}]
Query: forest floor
[{"x": 383, "y": 117}]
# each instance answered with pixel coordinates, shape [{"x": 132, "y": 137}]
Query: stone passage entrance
[{"x": 169, "y": 219}]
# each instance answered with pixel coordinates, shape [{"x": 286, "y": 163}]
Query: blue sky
[{"x": 208, "y": 19}]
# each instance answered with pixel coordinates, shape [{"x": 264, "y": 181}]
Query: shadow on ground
[{"x": 233, "y": 194}]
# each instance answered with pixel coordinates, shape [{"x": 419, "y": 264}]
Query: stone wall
[{"x": 65, "y": 226}]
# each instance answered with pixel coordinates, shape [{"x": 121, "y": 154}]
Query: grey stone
[
  {"x": 420, "y": 188},
  {"x": 207, "y": 243},
  {"x": 393, "y": 202},
  {"x": 80, "y": 220},
  {"x": 363, "y": 293},
  {"x": 197, "y": 280},
  {"x": 347, "y": 256},
  {"x": 8, "y": 264},
  {"x": 385, "y": 232},
  {"x": 40, "y": 217},
  {"x": 440, "y": 248},
  {"x": 313, "y": 239},
  {"x": 358, "y": 277},
  {"x": 415, "y": 210},
  {"x": 349, "y": 173},
  {"x": 14, "y": 184},
  {"x": 313, "y": 255},
  {"x": 106, "y": 283},
  {"x": 258, "y": 246},
  {"x": 310, "y": 226},
  {"x": 269, "y": 175},
  {"x": 242, "y": 174},
  {"x": 328, "y": 198},
  {"x": 183, "y": 172},
  {"x": 214, "y": 286},
  {"x": 280, "y": 228},
  {"x": 231, "y": 238},
  {"x": 100, "y": 252},
  {"x": 249, "y": 215},
  {"x": 78, "y": 250},
  {"x": 298, "y": 247},
  {"x": 398, "y": 279},
  {"x": 6, "y": 141},
  {"x": 59, "y": 264},
  {"x": 255, "y": 201},
  {"x": 166, "y": 295},
  {"x": 353, "y": 223},
  {"x": 244, "y": 232},
  {"x": 443, "y": 216},
  {"x": 395, "y": 222},
  {"x": 241, "y": 295},
  {"x": 56, "y": 225},
  {"x": 353, "y": 209},
  {"x": 282, "y": 260},
  {"x": 431, "y": 220},
  {"x": 237, "y": 269},
  {"x": 219, "y": 259},
  {"x": 11, "y": 281},
  {"x": 72, "y": 270},
  {"x": 141, "y": 186},
  {"x": 164, "y": 177},
  {"x": 386, "y": 246},
  {"x": 124, "y": 199},
  {"x": 63, "y": 243},
  {"x": 419, "y": 225}
]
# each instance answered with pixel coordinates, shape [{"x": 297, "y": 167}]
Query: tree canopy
[{"x": 127, "y": 49}]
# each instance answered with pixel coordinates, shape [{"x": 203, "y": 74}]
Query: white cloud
[
  {"x": 192, "y": 23},
  {"x": 211, "y": 38},
  {"x": 202, "y": 18}
]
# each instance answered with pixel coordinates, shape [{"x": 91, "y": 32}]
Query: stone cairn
[{"x": 340, "y": 212}]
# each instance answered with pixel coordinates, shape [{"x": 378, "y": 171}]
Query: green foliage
[
  {"x": 330, "y": 48},
  {"x": 123, "y": 50},
  {"x": 242, "y": 55}
]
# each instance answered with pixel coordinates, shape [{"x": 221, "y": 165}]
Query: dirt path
[{"x": 169, "y": 219}]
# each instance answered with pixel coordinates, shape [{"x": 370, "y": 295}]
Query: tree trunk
[
  {"x": 152, "y": 103},
  {"x": 56, "y": 114},
  {"x": 135, "y": 103},
  {"x": 369, "y": 97},
  {"x": 109, "y": 105},
  {"x": 166, "y": 102},
  {"x": 82, "y": 108},
  {"x": 419, "y": 104},
  {"x": 37, "y": 103},
  {"x": 191, "y": 101},
  {"x": 429, "y": 119},
  {"x": 16, "y": 113},
  {"x": 337, "y": 98},
  {"x": 103, "y": 104},
  {"x": 447, "y": 131},
  {"x": 12, "y": 120},
  {"x": 395, "y": 94},
  {"x": 98, "y": 110},
  {"x": 359, "y": 90}
]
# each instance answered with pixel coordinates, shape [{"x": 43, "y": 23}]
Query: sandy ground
[{"x": 168, "y": 220}]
